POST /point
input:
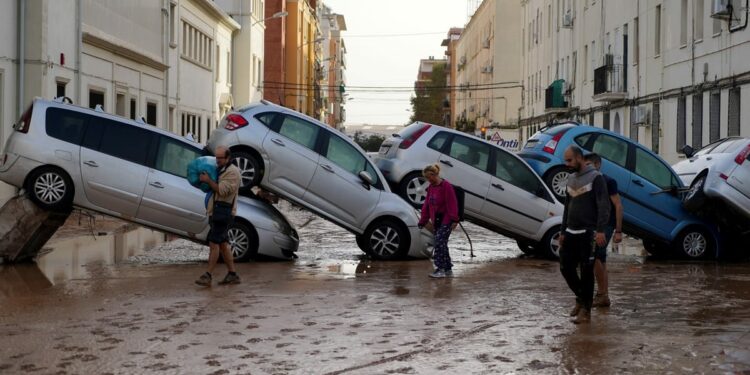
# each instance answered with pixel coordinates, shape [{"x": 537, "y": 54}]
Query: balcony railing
[{"x": 609, "y": 83}]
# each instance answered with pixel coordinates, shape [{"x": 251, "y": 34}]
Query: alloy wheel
[
  {"x": 50, "y": 188},
  {"x": 560, "y": 183},
  {"x": 694, "y": 244},
  {"x": 247, "y": 170},
  {"x": 554, "y": 244},
  {"x": 697, "y": 187},
  {"x": 416, "y": 190},
  {"x": 239, "y": 242},
  {"x": 385, "y": 241}
]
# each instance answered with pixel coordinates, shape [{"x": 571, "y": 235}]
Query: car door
[
  {"x": 292, "y": 156},
  {"x": 169, "y": 201},
  {"x": 465, "y": 163},
  {"x": 337, "y": 189},
  {"x": 513, "y": 199},
  {"x": 113, "y": 165},
  {"x": 656, "y": 211}
]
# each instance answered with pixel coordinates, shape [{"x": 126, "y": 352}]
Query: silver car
[
  {"x": 65, "y": 155},
  {"x": 502, "y": 193},
  {"x": 719, "y": 171},
  {"x": 317, "y": 167}
]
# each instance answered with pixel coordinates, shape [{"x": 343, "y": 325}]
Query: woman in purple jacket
[{"x": 440, "y": 216}]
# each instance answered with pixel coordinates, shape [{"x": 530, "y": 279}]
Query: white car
[
  {"x": 719, "y": 171},
  {"x": 66, "y": 155},
  {"x": 321, "y": 169},
  {"x": 502, "y": 192}
]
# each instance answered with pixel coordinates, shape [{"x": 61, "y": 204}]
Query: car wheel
[
  {"x": 695, "y": 197},
  {"x": 250, "y": 168},
  {"x": 694, "y": 243},
  {"x": 526, "y": 247},
  {"x": 557, "y": 180},
  {"x": 362, "y": 243},
  {"x": 413, "y": 188},
  {"x": 653, "y": 247},
  {"x": 387, "y": 240},
  {"x": 243, "y": 241},
  {"x": 51, "y": 188},
  {"x": 550, "y": 245}
]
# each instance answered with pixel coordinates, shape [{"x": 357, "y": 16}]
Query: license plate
[{"x": 384, "y": 149}]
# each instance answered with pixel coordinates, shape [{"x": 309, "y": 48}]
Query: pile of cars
[{"x": 67, "y": 155}]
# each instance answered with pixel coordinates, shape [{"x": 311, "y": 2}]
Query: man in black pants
[{"x": 584, "y": 220}]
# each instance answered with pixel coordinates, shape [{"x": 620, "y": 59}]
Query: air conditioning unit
[
  {"x": 721, "y": 9},
  {"x": 486, "y": 43},
  {"x": 567, "y": 19},
  {"x": 641, "y": 115},
  {"x": 487, "y": 69}
]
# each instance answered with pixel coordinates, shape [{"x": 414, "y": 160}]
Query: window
[
  {"x": 733, "y": 112},
  {"x": 266, "y": 118},
  {"x": 697, "y": 120},
  {"x": 196, "y": 45},
  {"x": 218, "y": 64},
  {"x": 657, "y": 31},
  {"x": 174, "y": 156},
  {"x": 96, "y": 97},
  {"x": 636, "y": 40},
  {"x": 585, "y": 63},
  {"x": 714, "y": 118},
  {"x": 683, "y": 22},
  {"x": 60, "y": 89},
  {"x": 65, "y": 125},
  {"x": 655, "y": 127},
  {"x": 151, "y": 113},
  {"x": 133, "y": 109},
  {"x": 190, "y": 125},
  {"x": 698, "y": 15},
  {"x": 120, "y": 104},
  {"x": 229, "y": 67},
  {"x": 124, "y": 141},
  {"x": 345, "y": 156},
  {"x": 593, "y": 59},
  {"x": 681, "y": 123},
  {"x": 438, "y": 141},
  {"x": 652, "y": 169},
  {"x": 300, "y": 131},
  {"x": 514, "y": 172},
  {"x": 172, "y": 25},
  {"x": 717, "y": 27},
  {"x": 611, "y": 148},
  {"x": 583, "y": 139},
  {"x": 471, "y": 152}
]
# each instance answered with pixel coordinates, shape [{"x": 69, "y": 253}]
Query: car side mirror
[
  {"x": 366, "y": 177},
  {"x": 688, "y": 151}
]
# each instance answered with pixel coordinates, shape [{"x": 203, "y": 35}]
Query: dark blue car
[{"x": 650, "y": 189}]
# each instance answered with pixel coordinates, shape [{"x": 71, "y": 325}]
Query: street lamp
[{"x": 275, "y": 15}]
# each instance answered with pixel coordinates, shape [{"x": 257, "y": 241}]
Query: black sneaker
[
  {"x": 230, "y": 279},
  {"x": 204, "y": 280}
]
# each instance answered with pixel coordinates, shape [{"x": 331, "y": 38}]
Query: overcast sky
[{"x": 375, "y": 57}]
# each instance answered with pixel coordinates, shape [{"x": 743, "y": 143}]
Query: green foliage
[
  {"x": 369, "y": 143},
  {"x": 427, "y": 105}
]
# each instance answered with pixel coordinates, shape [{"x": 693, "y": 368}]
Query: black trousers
[{"x": 578, "y": 253}]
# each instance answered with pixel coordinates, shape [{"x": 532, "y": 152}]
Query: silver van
[{"x": 65, "y": 155}]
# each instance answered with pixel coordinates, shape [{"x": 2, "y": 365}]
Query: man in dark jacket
[{"x": 585, "y": 218}]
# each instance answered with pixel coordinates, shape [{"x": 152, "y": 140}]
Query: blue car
[{"x": 651, "y": 191}]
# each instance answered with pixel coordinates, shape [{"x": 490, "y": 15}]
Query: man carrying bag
[{"x": 222, "y": 206}]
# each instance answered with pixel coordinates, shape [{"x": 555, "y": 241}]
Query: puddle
[{"x": 71, "y": 258}]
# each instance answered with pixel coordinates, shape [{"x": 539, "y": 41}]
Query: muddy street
[{"x": 126, "y": 303}]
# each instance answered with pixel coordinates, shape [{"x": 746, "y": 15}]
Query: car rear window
[
  {"x": 410, "y": 130},
  {"x": 65, "y": 125},
  {"x": 554, "y": 130},
  {"x": 729, "y": 147}
]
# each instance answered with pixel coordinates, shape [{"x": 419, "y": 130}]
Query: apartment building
[
  {"x": 332, "y": 67},
  {"x": 488, "y": 67},
  {"x": 634, "y": 67},
  {"x": 450, "y": 43}
]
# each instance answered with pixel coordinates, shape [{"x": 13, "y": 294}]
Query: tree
[
  {"x": 428, "y": 103},
  {"x": 370, "y": 143}
]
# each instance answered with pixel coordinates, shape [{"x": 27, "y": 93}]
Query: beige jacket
[{"x": 229, "y": 188}]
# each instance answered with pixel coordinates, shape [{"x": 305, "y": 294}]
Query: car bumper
[
  {"x": 421, "y": 244},
  {"x": 15, "y": 170},
  {"x": 222, "y": 137},
  {"x": 276, "y": 245},
  {"x": 393, "y": 169},
  {"x": 717, "y": 188}
]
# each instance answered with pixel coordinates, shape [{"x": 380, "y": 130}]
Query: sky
[{"x": 380, "y": 55}]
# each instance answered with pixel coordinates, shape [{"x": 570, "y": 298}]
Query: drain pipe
[
  {"x": 79, "y": 50},
  {"x": 21, "y": 55}
]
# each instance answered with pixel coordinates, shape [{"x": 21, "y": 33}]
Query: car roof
[{"x": 152, "y": 128}]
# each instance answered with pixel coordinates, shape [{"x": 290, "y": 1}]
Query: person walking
[
  {"x": 439, "y": 216},
  {"x": 614, "y": 226},
  {"x": 222, "y": 207},
  {"x": 585, "y": 218}
]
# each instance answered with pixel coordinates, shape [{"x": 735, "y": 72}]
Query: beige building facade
[{"x": 488, "y": 68}]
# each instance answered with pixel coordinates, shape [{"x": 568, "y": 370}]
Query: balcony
[
  {"x": 554, "y": 98},
  {"x": 609, "y": 83}
]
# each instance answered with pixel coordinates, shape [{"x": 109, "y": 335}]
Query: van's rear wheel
[{"x": 51, "y": 188}]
